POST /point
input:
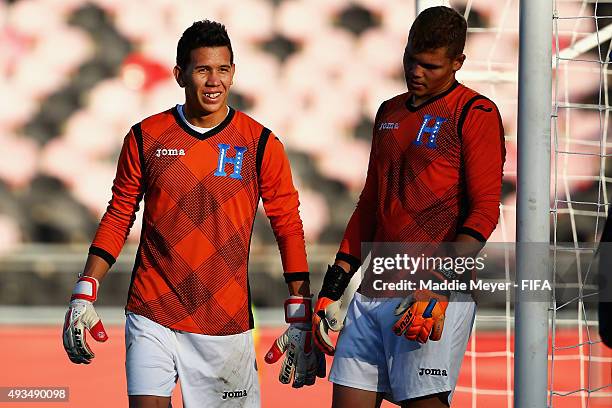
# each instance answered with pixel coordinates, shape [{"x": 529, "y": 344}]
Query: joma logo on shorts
[
  {"x": 169, "y": 152},
  {"x": 433, "y": 371},
  {"x": 234, "y": 394}
]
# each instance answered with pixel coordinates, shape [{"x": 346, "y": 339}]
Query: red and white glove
[
  {"x": 81, "y": 315},
  {"x": 421, "y": 316},
  {"x": 303, "y": 362}
]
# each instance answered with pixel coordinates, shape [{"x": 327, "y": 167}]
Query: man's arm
[
  {"x": 128, "y": 190},
  {"x": 362, "y": 224},
  {"x": 96, "y": 267},
  {"x": 302, "y": 363},
  {"x": 110, "y": 238},
  {"x": 360, "y": 228},
  {"x": 281, "y": 204},
  {"x": 482, "y": 135},
  {"x": 484, "y": 153},
  {"x": 299, "y": 288}
]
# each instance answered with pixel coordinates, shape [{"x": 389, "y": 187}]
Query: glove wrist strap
[
  {"x": 298, "y": 309},
  {"x": 86, "y": 288},
  {"x": 448, "y": 273},
  {"x": 335, "y": 282}
]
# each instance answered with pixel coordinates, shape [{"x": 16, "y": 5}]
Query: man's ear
[
  {"x": 458, "y": 62},
  {"x": 178, "y": 76}
]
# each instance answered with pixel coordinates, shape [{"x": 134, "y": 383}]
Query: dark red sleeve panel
[
  {"x": 281, "y": 203},
  {"x": 362, "y": 224},
  {"x": 121, "y": 211},
  {"x": 484, "y": 153}
]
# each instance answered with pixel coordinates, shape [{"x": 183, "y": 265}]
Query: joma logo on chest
[
  {"x": 169, "y": 152},
  {"x": 388, "y": 126}
]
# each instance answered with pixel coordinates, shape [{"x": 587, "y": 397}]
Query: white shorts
[
  {"x": 369, "y": 356},
  {"x": 215, "y": 371}
]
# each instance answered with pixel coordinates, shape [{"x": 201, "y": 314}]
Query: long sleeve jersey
[
  {"x": 201, "y": 192},
  {"x": 434, "y": 171}
]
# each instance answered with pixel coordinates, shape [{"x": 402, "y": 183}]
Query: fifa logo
[
  {"x": 432, "y": 131},
  {"x": 236, "y": 161}
]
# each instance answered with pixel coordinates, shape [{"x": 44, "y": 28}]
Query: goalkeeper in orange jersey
[
  {"x": 434, "y": 176},
  {"x": 201, "y": 168}
]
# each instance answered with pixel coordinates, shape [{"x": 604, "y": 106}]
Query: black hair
[
  {"x": 437, "y": 27},
  {"x": 205, "y": 33}
]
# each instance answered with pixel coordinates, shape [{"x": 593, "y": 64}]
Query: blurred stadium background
[{"x": 77, "y": 74}]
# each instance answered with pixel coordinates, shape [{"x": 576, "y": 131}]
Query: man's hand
[
  {"x": 81, "y": 315},
  {"x": 327, "y": 309},
  {"x": 421, "y": 316},
  {"x": 326, "y": 317},
  {"x": 303, "y": 362}
]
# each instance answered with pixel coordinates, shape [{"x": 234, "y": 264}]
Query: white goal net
[{"x": 579, "y": 364}]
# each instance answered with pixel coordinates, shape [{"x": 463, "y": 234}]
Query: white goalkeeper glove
[
  {"x": 303, "y": 362},
  {"x": 327, "y": 314},
  {"x": 326, "y": 317},
  {"x": 81, "y": 315}
]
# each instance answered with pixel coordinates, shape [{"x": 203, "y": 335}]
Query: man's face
[
  {"x": 207, "y": 80},
  {"x": 430, "y": 72}
]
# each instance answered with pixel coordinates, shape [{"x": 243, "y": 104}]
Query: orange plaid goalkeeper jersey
[
  {"x": 435, "y": 171},
  {"x": 201, "y": 193}
]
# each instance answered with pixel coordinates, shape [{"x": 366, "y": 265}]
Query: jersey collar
[
  {"x": 208, "y": 134},
  {"x": 431, "y": 100}
]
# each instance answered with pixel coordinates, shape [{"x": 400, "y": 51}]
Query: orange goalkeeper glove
[
  {"x": 421, "y": 316},
  {"x": 326, "y": 317}
]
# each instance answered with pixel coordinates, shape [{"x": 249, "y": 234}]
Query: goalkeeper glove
[
  {"x": 327, "y": 309},
  {"x": 422, "y": 312},
  {"x": 326, "y": 318},
  {"x": 81, "y": 315},
  {"x": 303, "y": 362}
]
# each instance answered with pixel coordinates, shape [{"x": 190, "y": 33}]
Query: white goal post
[{"x": 533, "y": 200}]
